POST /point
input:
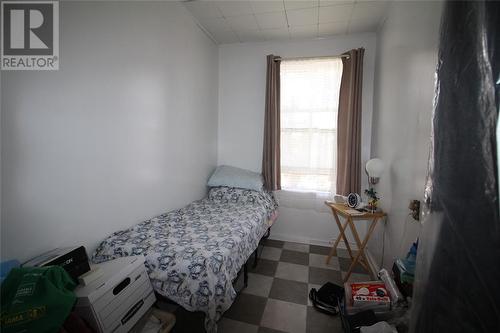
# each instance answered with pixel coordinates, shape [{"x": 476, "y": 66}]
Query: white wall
[
  {"x": 404, "y": 91},
  {"x": 242, "y": 77},
  {"x": 125, "y": 130}
]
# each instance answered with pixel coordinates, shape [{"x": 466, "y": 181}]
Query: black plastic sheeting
[{"x": 458, "y": 267}]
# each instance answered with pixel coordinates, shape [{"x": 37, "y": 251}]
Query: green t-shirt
[{"x": 36, "y": 299}]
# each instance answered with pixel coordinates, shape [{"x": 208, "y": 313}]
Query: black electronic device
[{"x": 73, "y": 259}]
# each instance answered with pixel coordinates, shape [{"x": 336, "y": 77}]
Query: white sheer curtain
[{"x": 309, "y": 104}]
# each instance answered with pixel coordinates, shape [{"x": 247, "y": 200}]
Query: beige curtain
[
  {"x": 349, "y": 124},
  {"x": 271, "y": 169}
]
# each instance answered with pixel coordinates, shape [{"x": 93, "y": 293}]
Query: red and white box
[{"x": 371, "y": 295}]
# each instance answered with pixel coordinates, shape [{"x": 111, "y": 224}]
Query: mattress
[{"x": 194, "y": 253}]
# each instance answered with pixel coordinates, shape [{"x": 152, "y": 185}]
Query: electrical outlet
[{"x": 414, "y": 208}]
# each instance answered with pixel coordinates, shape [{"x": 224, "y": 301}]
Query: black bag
[{"x": 326, "y": 299}]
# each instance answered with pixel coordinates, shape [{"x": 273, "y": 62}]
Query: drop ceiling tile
[
  {"x": 225, "y": 37},
  {"x": 276, "y": 34},
  {"x": 292, "y": 4},
  {"x": 214, "y": 25},
  {"x": 234, "y": 8},
  {"x": 369, "y": 10},
  {"x": 305, "y": 31},
  {"x": 362, "y": 26},
  {"x": 267, "y": 6},
  {"x": 203, "y": 9},
  {"x": 243, "y": 23},
  {"x": 251, "y": 36},
  {"x": 271, "y": 20},
  {"x": 300, "y": 17},
  {"x": 335, "y": 13},
  {"x": 326, "y": 3},
  {"x": 335, "y": 28}
]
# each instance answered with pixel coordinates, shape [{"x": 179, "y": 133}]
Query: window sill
[
  {"x": 318, "y": 193},
  {"x": 303, "y": 200}
]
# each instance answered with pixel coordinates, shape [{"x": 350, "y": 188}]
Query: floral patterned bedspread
[{"x": 193, "y": 254}]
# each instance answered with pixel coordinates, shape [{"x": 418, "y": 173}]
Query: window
[{"x": 309, "y": 104}]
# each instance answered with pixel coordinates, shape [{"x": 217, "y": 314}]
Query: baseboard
[
  {"x": 371, "y": 261},
  {"x": 311, "y": 241},
  {"x": 321, "y": 242}
]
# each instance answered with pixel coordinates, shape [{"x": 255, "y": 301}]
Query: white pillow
[{"x": 226, "y": 175}]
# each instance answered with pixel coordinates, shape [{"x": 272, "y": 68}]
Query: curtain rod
[{"x": 310, "y": 58}]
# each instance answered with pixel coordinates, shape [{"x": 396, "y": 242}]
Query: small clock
[{"x": 353, "y": 200}]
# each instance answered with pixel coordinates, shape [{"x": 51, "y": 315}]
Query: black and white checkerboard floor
[{"x": 276, "y": 299}]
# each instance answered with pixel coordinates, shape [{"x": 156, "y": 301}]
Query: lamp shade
[{"x": 374, "y": 167}]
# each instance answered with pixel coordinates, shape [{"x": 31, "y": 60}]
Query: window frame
[{"x": 333, "y": 130}]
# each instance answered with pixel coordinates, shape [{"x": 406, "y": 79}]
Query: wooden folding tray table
[{"x": 360, "y": 257}]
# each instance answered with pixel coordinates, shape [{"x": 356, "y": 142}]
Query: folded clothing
[{"x": 380, "y": 327}]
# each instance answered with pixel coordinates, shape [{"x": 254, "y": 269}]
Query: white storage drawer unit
[{"x": 116, "y": 300}]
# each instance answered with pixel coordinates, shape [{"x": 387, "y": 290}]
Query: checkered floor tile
[{"x": 276, "y": 299}]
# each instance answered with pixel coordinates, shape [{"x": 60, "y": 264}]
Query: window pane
[{"x": 309, "y": 105}]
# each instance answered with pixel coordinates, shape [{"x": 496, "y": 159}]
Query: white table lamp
[{"x": 374, "y": 169}]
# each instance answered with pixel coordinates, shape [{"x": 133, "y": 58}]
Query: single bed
[{"x": 193, "y": 254}]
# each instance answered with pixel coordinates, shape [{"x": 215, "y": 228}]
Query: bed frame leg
[
  {"x": 256, "y": 257},
  {"x": 268, "y": 232},
  {"x": 245, "y": 275},
  {"x": 256, "y": 252}
]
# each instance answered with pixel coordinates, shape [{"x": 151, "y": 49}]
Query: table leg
[
  {"x": 342, "y": 235},
  {"x": 361, "y": 247},
  {"x": 333, "y": 250}
]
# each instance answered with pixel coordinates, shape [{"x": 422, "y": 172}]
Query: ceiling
[{"x": 251, "y": 21}]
